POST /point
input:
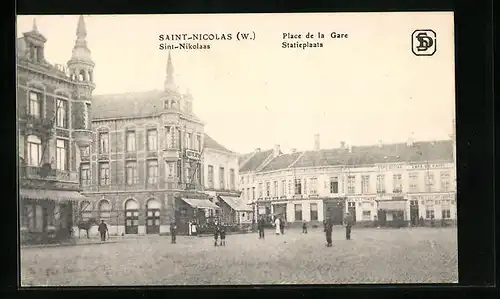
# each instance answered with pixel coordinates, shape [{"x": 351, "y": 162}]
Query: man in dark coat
[
  {"x": 173, "y": 231},
  {"x": 260, "y": 226},
  {"x": 348, "y": 221},
  {"x": 282, "y": 225},
  {"x": 328, "y": 231},
  {"x": 103, "y": 229}
]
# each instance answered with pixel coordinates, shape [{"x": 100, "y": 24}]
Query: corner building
[
  {"x": 145, "y": 164},
  {"x": 221, "y": 184},
  {"x": 53, "y": 110},
  {"x": 400, "y": 184}
]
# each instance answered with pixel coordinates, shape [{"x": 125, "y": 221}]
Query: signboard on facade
[{"x": 192, "y": 154}]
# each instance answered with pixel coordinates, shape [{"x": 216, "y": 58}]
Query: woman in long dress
[{"x": 277, "y": 225}]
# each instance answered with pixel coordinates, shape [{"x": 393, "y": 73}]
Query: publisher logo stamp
[{"x": 423, "y": 42}]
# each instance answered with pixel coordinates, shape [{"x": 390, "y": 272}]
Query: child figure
[
  {"x": 304, "y": 228},
  {"x": 222, "y": 232}
]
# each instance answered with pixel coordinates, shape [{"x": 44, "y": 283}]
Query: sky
[{"x": 256, "y": 94}]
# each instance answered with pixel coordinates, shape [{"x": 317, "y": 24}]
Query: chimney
[
  {"x": 293, "y": 150},
  {"x": 380, "y": 144},
  {"x": 316, "y": 142},
  {"x": 410, "y": 141},
  {"x": 276, "y": 151},
  {"x": 342, "y": 144},
  {"x": 257, "y": 150}
]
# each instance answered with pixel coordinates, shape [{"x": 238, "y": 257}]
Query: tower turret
[
  {"x": 81, "y": 65},
  {"x": 81, "y": 70},
  {"x": 172, "y": 99}
]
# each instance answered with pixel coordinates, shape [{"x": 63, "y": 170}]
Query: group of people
[
  {"x": 279, "y": 224},
  {"x": 328, "y": 228}
]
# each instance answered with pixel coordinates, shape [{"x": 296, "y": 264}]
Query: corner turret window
[
  {"x": 81, "y": 76},
  {"x": 86, "y": 116},
  {"x": 91, "y": 76}
]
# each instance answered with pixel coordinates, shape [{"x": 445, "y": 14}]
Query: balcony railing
[
  {"x": 37, "y": 172},
  {"x": 397, "y": 191},
  {"x": 37, "y": 124},
  {"x": 33, "y": 172},
  {"x": 171, "y": 154}
]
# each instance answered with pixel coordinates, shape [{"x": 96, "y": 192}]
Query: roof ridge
[
  {"x": 250, "y": 156},
  {"x": 294, "y": 162},
  {"x": 266, "y": 161}
]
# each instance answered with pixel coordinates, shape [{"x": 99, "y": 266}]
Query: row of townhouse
[{"x": 405, "y": 182}]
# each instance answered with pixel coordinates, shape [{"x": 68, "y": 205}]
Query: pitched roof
[
  {"x": 130, "y": 104},
  {"x": 256, "y": 160},
  {"x": 209, "y": 142},
  {"x": 362, "y": 155},
  {"x": 243, "y": 157},
  {"x": 281, "y": 161},
  {"x": 236, "y": 203}
]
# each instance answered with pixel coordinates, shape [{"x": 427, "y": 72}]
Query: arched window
[
  {"x": 91, "y": 76},
  {"x": 34, "y": 150},
  {"x": 131, "y": 216},
  {"x": 104, "y": 210},
  {"x": 153, "y": 207},
  {"x": 81, "y": 76},
  {"x": 86, "y": 210}
]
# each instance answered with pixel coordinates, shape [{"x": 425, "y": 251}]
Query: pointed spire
[
  {"x": 170, "y": 70},
  {"x": 80, "y": 51},
  {"x": 169, "y": 80},
  {"x": 81, "y": 31},
  {"x": 35, "y": 27}
]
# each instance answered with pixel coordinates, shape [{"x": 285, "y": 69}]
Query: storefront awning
[
  {"x": 56, "y": 195},
  {"x": 392, "y": 205},
  {"x": 236, "y": 203},
  {"x": 200, "y": 203}
]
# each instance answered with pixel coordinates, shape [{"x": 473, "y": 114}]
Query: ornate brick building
[
  {"x": 53, "y": 109},
  {"x": 391, "y": 183},
  {"x": 145, "y": 164}
]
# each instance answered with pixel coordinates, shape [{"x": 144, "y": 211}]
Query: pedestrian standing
[
  {"x": 328, "y": 232},
  {"x": 194, "y": 229},
  {"x": 260, "y": 226},
  {"x": 216, "y": 233},
  {"x": 282, "y": 226},
  {"x": 222, "y": 233},
  {"x": 348, "y": 221},
  {"x": 103, "y": 229},
  {"x": 277, "y": 226},
  {"x": 304, "y": 228},
  {"x": 173, "y": 231}
]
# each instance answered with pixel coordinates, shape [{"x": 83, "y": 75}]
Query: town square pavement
[{"x": 408, "y": 255}]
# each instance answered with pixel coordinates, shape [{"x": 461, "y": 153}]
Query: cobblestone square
[{"x": 410, "y": 255}]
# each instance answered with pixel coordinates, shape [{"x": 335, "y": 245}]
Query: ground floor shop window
[
  {"x": 367, "y": 215},
  {"x": 429, "y": 212},
  {"x": 445, "y": 214},
  {"x": 298, "y": 212},
  {"x": 38, "y": 218},
  {"x": 314, "y": 212}
]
